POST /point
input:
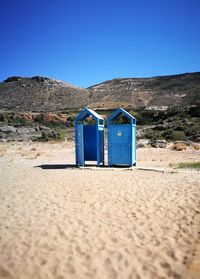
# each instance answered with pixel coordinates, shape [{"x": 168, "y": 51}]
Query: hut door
[
  {"x": 120, "y": 145},
  {"x": 79, "y": 145}
]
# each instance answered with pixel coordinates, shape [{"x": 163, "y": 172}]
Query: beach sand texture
[{"x": 62, "y": 222}]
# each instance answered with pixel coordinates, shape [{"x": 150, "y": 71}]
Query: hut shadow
[
  {"x": 75, "y": 167},
  {"x": 64, "y": 166},
  {"x": 56, "y": 166}
]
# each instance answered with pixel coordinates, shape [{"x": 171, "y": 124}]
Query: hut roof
[
  {"x": 85, "y": 113},
  {"x": 118, "y": 112}
]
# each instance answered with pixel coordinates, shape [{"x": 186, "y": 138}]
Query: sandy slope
[{"x": 62, "y": 222}]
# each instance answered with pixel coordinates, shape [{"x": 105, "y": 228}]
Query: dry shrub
[
  {"x": 36, "y": 155},
  {"x": 32, "y": 156},
  {"x": 28, "y": 154},
  {"x": 196, "y": 146},
  {"x": 3, "y": 150},
  {"x": 179, "y": 146}
]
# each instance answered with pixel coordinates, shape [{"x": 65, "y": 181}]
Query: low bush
[
  {"x": 153, "y": 135},
  {"x": 49, "y": 135},
  {"x": 2, "y": 117},
  {"x": 193, "y": 165},
  {"x": 174, "y": 135},
  {"x": 19, "y": 121},
  {"x": 195, "y": 111},
  {"x": 39, "y": 118}
]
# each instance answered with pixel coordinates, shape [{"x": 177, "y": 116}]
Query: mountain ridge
[
  {"x": 46, "y": 94},
  {"x": 147, "y": 78}
]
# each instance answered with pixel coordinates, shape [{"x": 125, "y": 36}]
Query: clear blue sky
[{"x": 88, "y": 41}]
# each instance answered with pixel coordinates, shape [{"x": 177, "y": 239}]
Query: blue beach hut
[
  {"x": 89, "y": 137},
  {"x": 121, "y": 139}
]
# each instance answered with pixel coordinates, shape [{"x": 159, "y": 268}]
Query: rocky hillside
[
  {"x": 44, "y": 94},
  {"x": 181, "y": 89},
  {"x": 40, "y": 94}
]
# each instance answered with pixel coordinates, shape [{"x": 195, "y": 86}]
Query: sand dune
[{"x": 61, "y": 222}]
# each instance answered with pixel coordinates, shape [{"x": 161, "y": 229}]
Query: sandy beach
[{"x": 57, "y": 221}]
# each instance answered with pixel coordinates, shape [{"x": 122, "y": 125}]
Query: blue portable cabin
[
  {"x": 89, "y": 138},
  {"x": 121, "y": 139}
]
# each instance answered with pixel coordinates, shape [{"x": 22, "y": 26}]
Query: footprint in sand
[
  {"x": 70, "y": 268},
  {"x": 112, "y": 272},
  {"x": 4, "y": 273}
]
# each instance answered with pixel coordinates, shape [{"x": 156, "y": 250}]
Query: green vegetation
[
  {"x": 187, "y": 165},
  {"x": 70, "y": 121},
  {"x": 168, "y": 134},
  {"x": 19, "y": 121},
  {"x": 173, "y": 113},
  {"x": 49, "y": 136},
  {"x": 39, "y": 118},
  {"x": 55, "y": 122},
  {"x": 174, "y": 135},
  {"x": 153, "y": 135},
  {"x": 13, "y": 118},
  {"x": 174, "y": 124}
]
